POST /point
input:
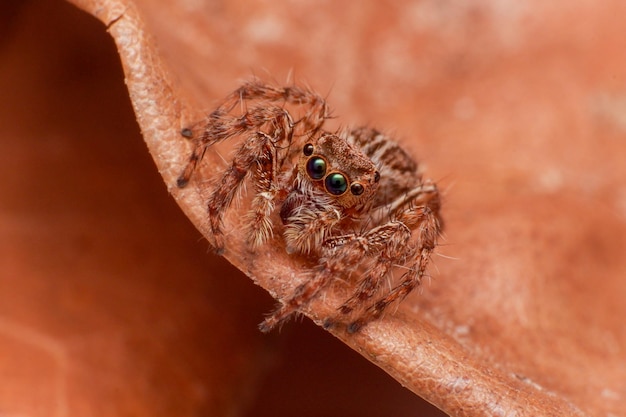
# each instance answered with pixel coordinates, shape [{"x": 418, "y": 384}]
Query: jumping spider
[{"x": 351, "y": 200}]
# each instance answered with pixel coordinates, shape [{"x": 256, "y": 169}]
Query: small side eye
[
  {"x": 308, "y": 149},
  {"x": 356, "y": 189},
  {"x": 316, "y": 167},
  {"x": 336, "y": 183},
  {"x": 376, "y": 176}
]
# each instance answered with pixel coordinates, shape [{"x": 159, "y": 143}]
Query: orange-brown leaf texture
[{"x": 111, "y": 303}]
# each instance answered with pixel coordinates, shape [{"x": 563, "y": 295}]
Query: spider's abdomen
[{"x": 398, "y": 170}]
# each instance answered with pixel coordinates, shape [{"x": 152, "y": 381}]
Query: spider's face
[{"x": 339, "y": 169}]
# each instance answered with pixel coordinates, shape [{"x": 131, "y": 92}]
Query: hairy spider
[{"x": 352, "y": 200}]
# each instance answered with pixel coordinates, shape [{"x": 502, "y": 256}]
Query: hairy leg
[
  {"x": 258, "y": 154},
  {"x": 415, "y": 256},
  {"x": 330, "y": 267}
]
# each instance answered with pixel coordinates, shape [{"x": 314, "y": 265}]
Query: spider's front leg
[
  {"x": 270, "y": 182},
  {"x": 258, "y": 154},
  {"x": 221, "y": 126},
  {"x": 311, "y": 121}
]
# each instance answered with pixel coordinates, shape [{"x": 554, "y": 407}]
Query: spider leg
[
  {"x": 221, "y": 126},
  {"x": 255, "y": 89},
  {"x": 329, "y": 267},
  {"x": 231, "y": 180},
  {"x": 389, "y": 244},
  {"x": 258, "y": 148},
  {"x": 416, "y": 252},
  {"x": 269, "y": 185},
  {"x": 301, "y": 296},
  {"x": 196, "y": 156},
  {"x": 368, "y": 286},
  {"x": 381, "y": 246}
]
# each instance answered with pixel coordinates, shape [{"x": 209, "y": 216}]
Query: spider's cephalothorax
[
  {"x": 334, "y": 186},
  {"x": 351, "y": 200}
]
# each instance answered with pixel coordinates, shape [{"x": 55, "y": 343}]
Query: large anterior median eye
[
  {"x": 316, "y": 168},
  {"x": 336, "y": 183}
]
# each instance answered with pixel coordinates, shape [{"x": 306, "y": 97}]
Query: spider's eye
[
  {"x": 376, "y": 176},
  {"x": 316, "y": 167},
  {"x": 336, "y": 183},
  {"x": 308, "y": 149},
  {"x": 356, "y": 189}
]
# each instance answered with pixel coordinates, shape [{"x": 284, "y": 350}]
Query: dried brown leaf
[{"x": 518, "y": 108}]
